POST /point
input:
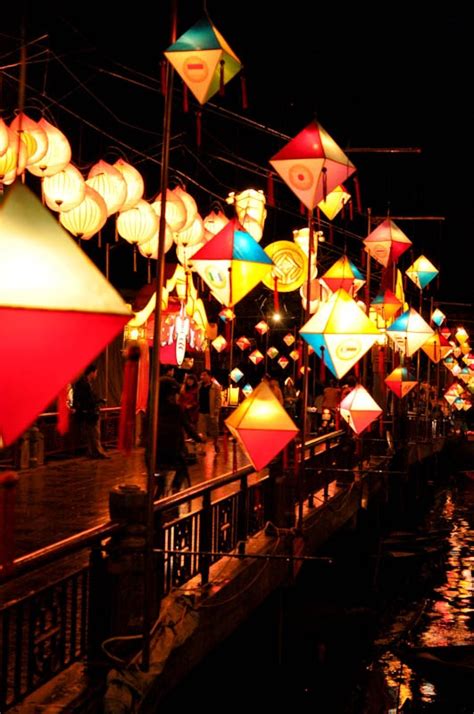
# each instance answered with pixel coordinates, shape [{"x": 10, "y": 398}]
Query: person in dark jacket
[{"x": 86, "y": 409}]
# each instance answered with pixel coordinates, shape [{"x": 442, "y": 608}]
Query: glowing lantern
[
  {"x": 335, "y": 202},
  {"x": 243, "y": 343},
  {"x": 256, "y": 356},
  {"x": 110, "y": 183},
  {"x": 247, "y": 389},
  {"x": 283, "y": 362},
  {"x": 343, "y": 274},
  {"x": 192, "y": 235},
  {"x": 57, "y": 311},
  {"x": 409, "y": 332},
  {"x": 436, "y": 347},
  {"x": 213, "y": 223},
  {"x": 386, "y": 243},
  {"x": 421, "y": 272},
  {"x": 446, "y": 332},
  {"x": 272, "y": 352},
  {"x": 134, "y": 182},
  {"x": 203, "y": 60},
  {"x": 359, "y": 409},
  {"x": 295, "y": 355},
  {"x": 58, "y": 155},
  {"x": 289, "y": 339},
  {"x": 86, "y": 219},
  {"x": 189, "y": 206},
  {"x": 250, "y": 209},
  {"x": 400, "y": 381},
  {"x": 386, "y": 304},
  {"x": 149, "y": 248},
  {"x": 231, "y": 263},
  {"x": 139, "y": 224},
  {"x": 13, "y": 159},
  {"x": 3, "y": 137},
  {"x": 175, "y": 211},
  {"x": 312, "y": 165},
  {"x": 290, "y": 266},
  {"x": 219, "y": 344},
  {"x": 226, "y": 314},
  {"x": 64, "y": 190},
  {"x": 236, "y": 374},
  {"x": 185, "y": 253},
  {"x": 438, "y": 317},
  {"x": 262, "y": 426},
  {"x": 262, "y": 327},
  {"x": 461, "y": 335},
  {"x": 340, "y": 332},
  {"x": 32, "y": 135}
]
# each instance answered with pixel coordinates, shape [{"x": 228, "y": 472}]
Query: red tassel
[
  {"x": 221, "y": 78},
  {"x": 276, "y": 303},
  {"x": 8, "y": 482},
  {"x": 128, "y": 402},
  {"x": 295, "y": 460},
  {"x": 143, "y": 377},
  {"x": 351, "y": 210},
  {"x": 338, "y": 419},
  {"x": 324, "y": 171},
  {"x": 243, "y": 87},
  {"x": 381, "y": 362},
  {"x": 357, "y": 370},
  {"x": 357, "y": 194},
  {"x": 270, "y": 191},
  {"x": 63, "y": 411},
  {"x": 225, "y": 445},
  {"x": 185, "y": 99},
  {"x": 322, "y": 368},
  {"x": 198, "y": 127},
  {"x": 234, "y": 456},
  {"x": 163, "y": 77},
  {"x": 227, "y": 330},
  {"x": 302, "y": 209}
]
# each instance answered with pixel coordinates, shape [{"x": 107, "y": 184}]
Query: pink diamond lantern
[{"x": 359, "y": 409}]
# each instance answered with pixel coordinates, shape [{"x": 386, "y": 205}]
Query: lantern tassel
[
  {"x": 357, "y": 195},
  {"x": 337, "y": 422},
  {"x": 198, "y": 127},
  {"x": 8, "y": 482},
  {"x": 276, "y": 302},
  {"x": 221, "y": 77},
  {"x": 185, "y": 99},
  {"x": 270, "y": 190},
  {"x": 163, "y": 77},
  {"x": 325, "y": 182},
  {"x": 357, "y": 370},
  {"x": 149, "y": 271},
  {"x": 63, "y": 411},
  {"x": 134, "y": 257},
  {"x": 243, "y": 87},
  {"x": 322, "y": 367},
  {"x": 302, "y": 208},
  {"x": 351, "y": 211},
  {"x": 128, "y": 401},
  {"x": 381, "y": 362}
]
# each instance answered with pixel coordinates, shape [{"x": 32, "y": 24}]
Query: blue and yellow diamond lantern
[
  {"x": 438, "y": 317},
  {"x": 340, "y": 332},
  {"x": 421, "y": 272},
  {"x": 232, "y": 263},
  {"x": 409, "y": 332},
  {"x": 203, "y": 59}
]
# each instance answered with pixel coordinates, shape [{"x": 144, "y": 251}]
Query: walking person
[
  {"x": 86, "y": 408},
  {"x": 210, "y": 402},
  {"x": 188, "y": 398}
]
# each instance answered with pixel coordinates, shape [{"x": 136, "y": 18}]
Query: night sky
[{"x": 398, "y": 76}]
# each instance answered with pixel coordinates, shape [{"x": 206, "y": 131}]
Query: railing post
[
  {"x": 98, "y": 624},
  {"x": 242, "y": 515},
  {"x": 205, "y": 537}
]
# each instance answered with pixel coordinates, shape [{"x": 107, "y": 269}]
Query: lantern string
[
  {"x": 270, "y": 190},
  {"x": 185, "y": 99},
  {"x": 243, "y": 87},
  {"x": 163, "y": 77},
  {"x": 21, "y": 93},
  {"x": 221, "y": 77},
  {"x": 276, "y": 303},
  {"x": 198, "y": 127},
  {"x": 357, "y": 194}
]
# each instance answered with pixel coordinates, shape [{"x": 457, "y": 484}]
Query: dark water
[{"x": 324, "y": 642}]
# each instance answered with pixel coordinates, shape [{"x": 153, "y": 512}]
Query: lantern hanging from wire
[
  {"x": 219, "y": 343},
  {"x": 58, "y": 154},
  {"x": 335, "y": 202},
  {"x": 236, "y": 374},
  {"x": 262, "y": 327},
  {"x": 461, "y": 335},
  {"x": 261, "y": 425},
  {"x": 289, "y": 339},
  {"x": 400, "y": 381},
  {"x": 386, "y": 243},
  {"x": 386, "y": 304},
  {"x": 134, "y": 182},
  {"x": 359, "y": 409},
  {"x": 421, "y": 272},
  {"x": 64, "y": 190},
  {"x": 250, "y": 209},
  {"x": 192, "y": 235},
  {"x": 438, "y": 317},
  {"x": 340, "y": 333},
  {"x": 110, "y": 183},
  {"x": 312, "y": 165},
  {"x": 343, "y": 274},
  {"x": 256, "y": 357},
  {"x": 213, "y": 223},
  {"x": 283, "y": 362},
  {"x": 243, "y": 343},
  {"x": 13, "y": 159},
  {"x": 231, "y": 263},
  {"x": 3, "y": 137},
  {"x": 32, "y": 135},
  {"x": 86, "y": 219},
  {"x": 409, "y": 332},
  {"x": 176, "y": 213},
  {"x": 203, "y": 60},
  {"x": 436, "y": 347},
  {"x": 290, "y": 266},
  {"x": 58, "y": 312},
  {"x": 272, "y": 352}
]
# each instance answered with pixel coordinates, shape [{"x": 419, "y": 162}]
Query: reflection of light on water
[
  {"x": 428, "y": 692},
  {"x": 397, "y": 675}
]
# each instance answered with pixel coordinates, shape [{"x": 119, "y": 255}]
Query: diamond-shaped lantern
[
  {"x": 294, "y": 354},
  {"x": 243, "y": 343},
  {"x": 262, "y": 327},
  {"x": 289, "y": 339},
  {"x": 436, "y": 347},
  {"x": 247, "y": 389},
  {"x": 312, "y": 165},
  {"x": 421, "y": 272},
  {"x": 255, "y": 356},
  {"x": 231, "y": 263},
  {"x": 400, "y": 381},
  {"x": 343, "y": 274},
  {"x": 290, "y": 266},
  {"x": 386, "y": 304},
  {"x": 438, "y": 317},
  {"x": 236, "y": 374},
  {"x": 261, "y": 425},
  {"x": 283, "y": 362},
  {"x": 359, "y": 409},
  {"x": 272, "y": 352},
  {"x": 58, "y": 312},
  {"x": 203, "y": 59},
  {"x": 219, "y": 343},
  {"x": 340, "y": 332},
  {"x": 335, "y": 202},
  {"x": 461, "y": 335},
  {"x": 386, "y": 243},
  {"x": 409, "y": 332}
]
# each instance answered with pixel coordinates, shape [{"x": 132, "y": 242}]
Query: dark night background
[{"x": 397, "y": 76}]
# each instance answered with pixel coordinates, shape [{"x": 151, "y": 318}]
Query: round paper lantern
[
  {"x": 58, "y": 155},
  {"x": 33, "y": 136},
  {"x": 139, "y": 224},
  {"x": 149, "y": 248},
  {"x": 109, "y": 182},
  {"x": 189, "y": 204},
  {"x": 134, "y": 181},
  {"x": 192, "y": 235},
  {"x": 13, "y": 159},
  {"x": 213, "y": 223},
  {"x": 175, "y": 212},
  {"x": 290, "y": 266},
  {"x": 3, "y": 137},
  {"x": 65, "y": 190},
  {"x": 86, "y": 219},
  {"x": 185, "y": 254}
]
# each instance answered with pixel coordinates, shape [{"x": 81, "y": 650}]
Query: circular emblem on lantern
[
  {"x": 290, "y": 266},
  {"x": 301, "y": 177},
  {"x": 349, "y": 349},
  {"x": 215, "y": 277},
  {"x": 195, "y": 69}
]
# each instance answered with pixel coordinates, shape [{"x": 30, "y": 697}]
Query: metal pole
[
  {"x": 367, "y": 294},
  {"x": 107, "y": 274},
  {"x": 155, "y": 367}
]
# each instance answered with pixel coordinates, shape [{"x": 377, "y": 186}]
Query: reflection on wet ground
[{"x": 448, "y": 615}]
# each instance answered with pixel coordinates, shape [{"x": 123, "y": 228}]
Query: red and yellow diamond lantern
[
  {"x": 436, "y": 347},
  {"x": 312, "y": 165},
  {"x": 335, "y": 202},
  {"x": 272, "y": 352},
  {"x": 262, "y": 426},
  {"x": 340, "y": 332},
  {"x": 359, "y": 409},
  {"x": 219, "y": 343},
  {"x": 203, "y": 59},
  {"x": 243, "y": 343},
  {"x": 283, "y": 362},
  {"x": 256, "y": 356},
  {"x": 289, "y": 339},
  {"x": 409, "y": 332},
  {"x": 57, "y": 311},
  {"x": 386, "y": 304},
  {"x": 262, "y": 327},
  {"x": 386, "y": 243},
  {"x": 343, "y": 274},
  {"x": 400, "y": 381}
]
